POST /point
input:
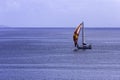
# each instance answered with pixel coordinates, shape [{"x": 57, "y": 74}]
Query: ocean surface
[{"x": 49, "y": 54}]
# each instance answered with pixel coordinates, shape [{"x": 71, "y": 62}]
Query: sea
[{"x": 50, "y": 54}]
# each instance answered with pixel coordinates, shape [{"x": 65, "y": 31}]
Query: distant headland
[{"x": 4, "y": 26}]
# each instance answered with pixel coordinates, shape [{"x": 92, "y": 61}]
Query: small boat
[{"x": 76, "y": 36}]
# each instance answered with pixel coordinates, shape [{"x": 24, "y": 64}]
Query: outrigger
[{"x": 76, "y": 36}]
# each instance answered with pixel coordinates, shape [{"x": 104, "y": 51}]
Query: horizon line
[{"x": 56, "y": 27}]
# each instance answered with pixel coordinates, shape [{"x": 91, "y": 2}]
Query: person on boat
[{"x": 84, "y": 43}]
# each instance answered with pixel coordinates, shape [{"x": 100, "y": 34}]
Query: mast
[{"x": 83, "y": 33}]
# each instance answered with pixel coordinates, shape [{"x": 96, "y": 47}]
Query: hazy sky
[{"x": 60, "y": 13}]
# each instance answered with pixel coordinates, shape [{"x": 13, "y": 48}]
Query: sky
[{"x": 60, "y": 13}]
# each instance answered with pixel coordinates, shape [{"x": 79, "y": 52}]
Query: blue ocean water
[{"x": 48, "y": 54}]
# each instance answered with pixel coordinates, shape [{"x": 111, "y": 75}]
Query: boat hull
[{"x": 85, "y": 47}]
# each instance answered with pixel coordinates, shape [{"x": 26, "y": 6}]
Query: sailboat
[{"x": 76, "y": 37}]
